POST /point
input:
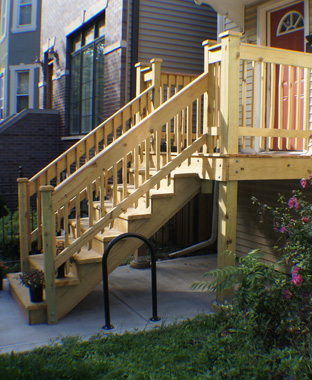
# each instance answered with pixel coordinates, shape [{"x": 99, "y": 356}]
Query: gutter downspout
[{"x": 214, "y": 229}]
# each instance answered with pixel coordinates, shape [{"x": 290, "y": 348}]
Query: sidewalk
[{"x": 130, "y": 302}]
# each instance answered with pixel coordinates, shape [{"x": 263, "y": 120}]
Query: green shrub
[{"x": 276, "y": 298}]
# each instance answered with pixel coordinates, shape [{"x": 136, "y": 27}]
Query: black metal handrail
[{"x": 154, "y": 318}]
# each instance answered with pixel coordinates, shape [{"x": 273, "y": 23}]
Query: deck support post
[
  {"x": 24, "y": 215},
  {"x": 229, "y": 107},
  {"x": 49, "y": 249}
]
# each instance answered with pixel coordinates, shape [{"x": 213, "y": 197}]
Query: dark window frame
[{"x": 77, "y": 129}]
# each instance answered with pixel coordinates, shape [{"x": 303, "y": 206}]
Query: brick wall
[{"x": 31, "y": 142}]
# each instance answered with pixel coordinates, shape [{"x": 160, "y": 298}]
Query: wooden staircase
[{"x": 85, "y": 269}]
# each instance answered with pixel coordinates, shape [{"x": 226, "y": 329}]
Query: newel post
[
  {"x": 49, "y": 249},
  {"x": 156, "y": 81},
  {"x": 229, "y": 105},
  {"x": 140, "y": 84},
  {"x": 209, "y": 98},
  {"x": 24, "y": 220}
]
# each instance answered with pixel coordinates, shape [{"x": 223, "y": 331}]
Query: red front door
[{"x": 287, "y": 32}]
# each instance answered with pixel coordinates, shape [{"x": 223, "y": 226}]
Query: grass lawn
[{"x": 221, "y": 346}]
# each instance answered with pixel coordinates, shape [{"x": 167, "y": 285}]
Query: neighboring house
[
  {"x": 19, "y": 49},
  {"x": 89, "y": 50}
]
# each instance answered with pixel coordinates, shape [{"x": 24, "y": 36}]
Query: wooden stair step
[
  {"x": 86, "y": 256},
  {"x": 35, "y": 313},
  {"x": 108, "y": 235},
  {"x": 70, "y": 279}
]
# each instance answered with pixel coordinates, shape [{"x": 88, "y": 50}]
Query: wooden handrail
[
  {"x": 127, "y": 202},
  {"x": 275, "y": 55},
  {"x": 67, "y": 189},
  {"x": 107, "y": 125}
]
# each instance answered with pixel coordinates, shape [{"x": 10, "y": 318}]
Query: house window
[
  {"x": 25, "y": 7},
  {"x": 291, "y": 22},
  {"x": 24, "y": 16},
  {"x": 22, "y": 95},
  {"x": 22, "y": 87},
  {"x": 87, "y": 79},
  {"x": 3, "y": 19}
]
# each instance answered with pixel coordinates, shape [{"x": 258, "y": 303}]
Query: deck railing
[{"x": 274, "y": 96}]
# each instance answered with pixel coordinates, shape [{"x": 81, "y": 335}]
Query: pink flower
[
  {"x": 286, "y": 294},
  {"x": 305, "y": 219},
  {"x": 295, "y": 270},
  {"x": 296, "y": 279},
  {"x": 303, "y": 182},
  {"x": 282, "y": 229},
  {"x": 293, "y": 203}
]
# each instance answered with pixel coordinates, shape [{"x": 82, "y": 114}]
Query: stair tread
[
  {"x": 22, "y": 292},
  {"x": 86, "y": 256},
  {"x": 70, "y": 279},
  {"x": 108, "y": 235}
]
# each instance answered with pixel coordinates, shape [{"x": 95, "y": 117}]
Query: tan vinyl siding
[{"x": 174, "y": 31}]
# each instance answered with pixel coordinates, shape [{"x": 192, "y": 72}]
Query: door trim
[{"x": 262, "y": 18}]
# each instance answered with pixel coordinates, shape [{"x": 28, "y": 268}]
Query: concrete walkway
[{"x": 130, "y": 300}]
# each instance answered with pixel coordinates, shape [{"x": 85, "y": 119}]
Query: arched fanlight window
[{"x": 291, "y": 22}]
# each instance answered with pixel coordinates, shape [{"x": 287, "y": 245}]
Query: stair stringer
[{"x": 185, "y": 188}]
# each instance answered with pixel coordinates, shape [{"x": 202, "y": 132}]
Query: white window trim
[
  {"x": 4, "y": 15},
  {"x": 262, "y": 27},
  {"x": 16, "y": 28},
  {"x": 13, "y": 81}
]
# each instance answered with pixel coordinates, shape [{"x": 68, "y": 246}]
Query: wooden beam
[{"x": 266, "y": 168}]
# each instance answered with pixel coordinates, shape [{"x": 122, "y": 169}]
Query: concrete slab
[{"x": 130, "y": 303}]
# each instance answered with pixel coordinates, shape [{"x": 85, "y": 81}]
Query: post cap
[{"x": 46, "y": 188}]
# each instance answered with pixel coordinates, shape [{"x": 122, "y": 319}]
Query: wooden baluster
[
  {"x": 66, "y": 224},
  {"x": 147, "y": 168},
  {"x": 290, "y": 102},
  {"x": 306, "y": 105},
  {"x": 24, "y": 222},
  {"x": 263, "y": 102},
  {"x": 189, "y": 127},
  {"x": 253, "y": 103},
  {"x": 272, "y": 102},
  {"x": 243, "y": 101},
  {"x": 115, "y": 185},
  {"x": 298, "y": 107},
  {"x": 78, "y": 217},
  {"x": 49, "y": 249},
  {"x": 178, "y": 129},
  {"x": 124, "y": 178},
  {"x": 102, "y": 195},
  {"x": 90, "y": 210},
  {"x": 280, "y": 104}
]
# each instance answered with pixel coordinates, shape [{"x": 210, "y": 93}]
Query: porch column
[{"x": 230, "y": 60}]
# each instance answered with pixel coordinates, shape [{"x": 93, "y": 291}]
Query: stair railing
[{"x": 123, "y": 150}]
